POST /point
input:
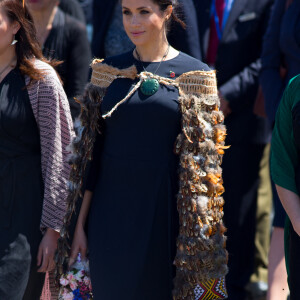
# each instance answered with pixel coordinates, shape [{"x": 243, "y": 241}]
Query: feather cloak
[{"x": 201, "y": 260}]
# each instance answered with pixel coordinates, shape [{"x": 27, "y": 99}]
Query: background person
[
  {"x": 285, "y": 174},
  {"x": 74, "y": 9},
  {"x": 280, "y": 63},
  {"x": 65, "y": 39},
  {"x": 87, "y": 6},
  {"x": 35, "y": 128}
]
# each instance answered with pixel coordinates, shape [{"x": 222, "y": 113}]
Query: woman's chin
[{"x": 138, "y": 40}]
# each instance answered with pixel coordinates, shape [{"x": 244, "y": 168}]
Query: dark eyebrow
[{"x": 139, "y": 8}]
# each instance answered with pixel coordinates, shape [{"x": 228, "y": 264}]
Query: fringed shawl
[{"x": 201, "y": 259}]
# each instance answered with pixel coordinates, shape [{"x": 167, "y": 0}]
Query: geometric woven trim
[{"x": 213, "y": 289}]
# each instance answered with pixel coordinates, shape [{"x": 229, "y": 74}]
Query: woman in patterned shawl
[
  {"x": 35, "y": 128},
  {"x": 137, "y": 105}
]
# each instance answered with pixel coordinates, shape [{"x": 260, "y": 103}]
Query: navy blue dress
[{"x": 133, "y": 222}]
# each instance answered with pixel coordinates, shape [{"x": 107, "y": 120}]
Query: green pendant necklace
[{"x": 150, "y": 85}]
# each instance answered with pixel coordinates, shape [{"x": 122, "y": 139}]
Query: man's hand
[
  {"x": 48, "y": 245},
  {"x": 224, "y": 106}
]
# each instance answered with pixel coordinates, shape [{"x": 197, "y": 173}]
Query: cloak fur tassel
[
  {"x": 86, "y": 127},
  {"x": 201, "y": 260}
]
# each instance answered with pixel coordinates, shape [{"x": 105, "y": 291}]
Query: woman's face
[
  {"x": 143, "y": 20},
  {"x": 7, "y": 32},
  {"x": 41, "y": 5}
]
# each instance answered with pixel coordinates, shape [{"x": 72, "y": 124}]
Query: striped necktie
[{"x": 213, "y": 37}]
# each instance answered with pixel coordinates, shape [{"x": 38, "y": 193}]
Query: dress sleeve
[
  {"x": 52, "y": 113},
  {"x": 284, "y": 156}
]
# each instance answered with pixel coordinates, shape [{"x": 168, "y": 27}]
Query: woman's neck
[
  {"x": 43, "y": 21},
  {"x": 8, "y": 57},
  {"x": 8, "y": 61},
  {"x": 153, "y": 52}
]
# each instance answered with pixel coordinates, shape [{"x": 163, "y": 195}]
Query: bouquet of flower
[{"x": 76, "y": 283}]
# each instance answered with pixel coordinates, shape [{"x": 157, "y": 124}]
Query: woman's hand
[
  {"x": 79, "y": 244},
  {"x": 48, "y": 245}
]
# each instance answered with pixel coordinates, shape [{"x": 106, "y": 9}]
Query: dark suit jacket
[
  {"x": 184, "y": 40},
  {"x": 281, "y": 47},
  {"x": 238, "y": 64}
]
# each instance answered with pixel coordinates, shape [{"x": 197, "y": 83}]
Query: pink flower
[
  {"x": 86, "y": 281},
  {"x": 79, "y": 275},
  {"x": 73, "y": 285},
  {"x": 63, "y": 281},
  {"x": 70, "y": 277}
]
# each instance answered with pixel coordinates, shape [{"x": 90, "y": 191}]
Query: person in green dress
[{"x": 285, "y": 173}]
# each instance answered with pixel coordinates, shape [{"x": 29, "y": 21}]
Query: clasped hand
[{"x": 79, "y": 244}]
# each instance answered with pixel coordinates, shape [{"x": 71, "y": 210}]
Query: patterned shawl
[
  {"x": 52, "y": 113},
  {"x": 51, "y": 110}
]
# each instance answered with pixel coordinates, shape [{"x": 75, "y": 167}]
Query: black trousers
[{"x": 241, "y": 179}]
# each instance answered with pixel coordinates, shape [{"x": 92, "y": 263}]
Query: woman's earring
[{"x": 14, "y": 41}]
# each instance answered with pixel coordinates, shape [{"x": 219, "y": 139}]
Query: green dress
[{"x": 285, "y": 163}]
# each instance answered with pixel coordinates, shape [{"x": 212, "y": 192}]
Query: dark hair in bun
[{"x": 163, "y": 4}]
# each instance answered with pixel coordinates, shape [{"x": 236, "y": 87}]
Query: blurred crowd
[{"x": 254, "y": 45}]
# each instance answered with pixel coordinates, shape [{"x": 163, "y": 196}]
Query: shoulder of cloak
[
  {"x": 198, "y": 82},
  {"x": 103, "y": 74}
]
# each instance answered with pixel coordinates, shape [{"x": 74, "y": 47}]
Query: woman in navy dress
[{"x": 130, "y": 198}]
